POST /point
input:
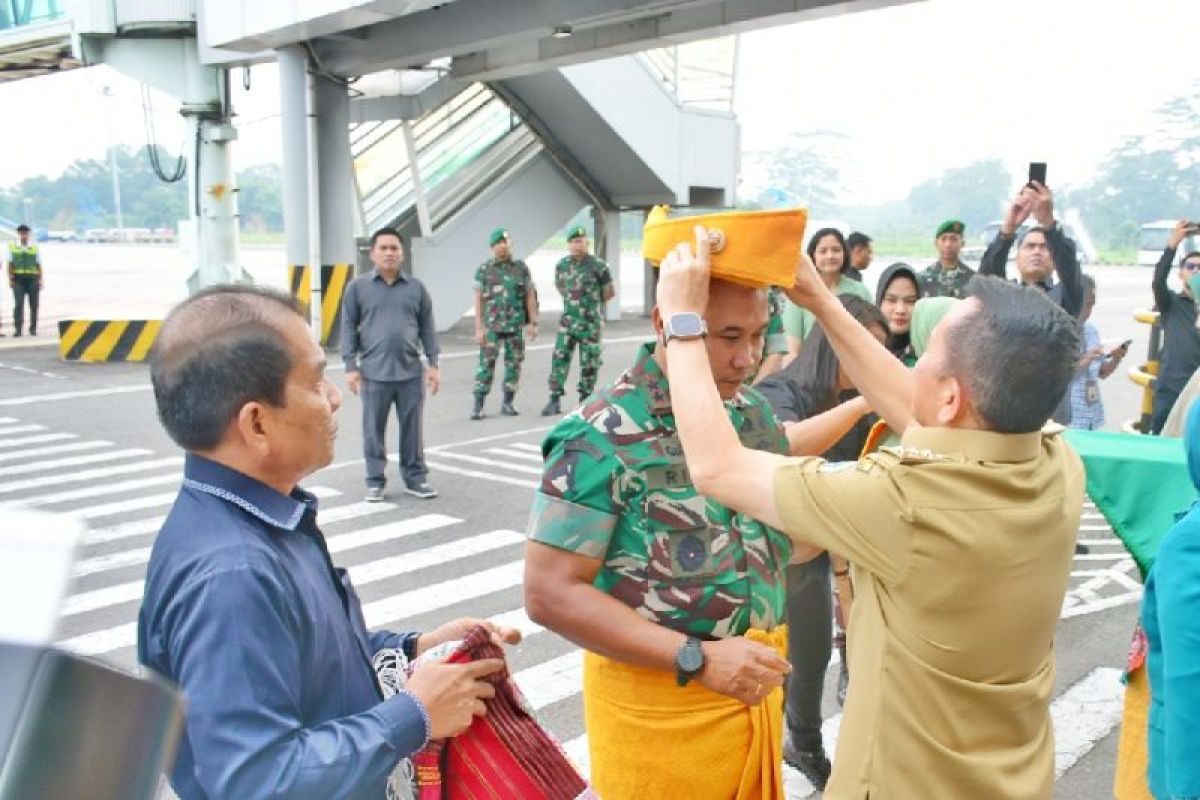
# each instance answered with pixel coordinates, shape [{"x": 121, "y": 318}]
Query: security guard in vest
[{"x": 25, "y": 279}]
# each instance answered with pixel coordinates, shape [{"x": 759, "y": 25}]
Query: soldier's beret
[
  {"x": 576, "y": 232},
  {"x": 753, "y": 248},
  {"x": 498, "y": 235},
  {"x": 950, "y": 226}
]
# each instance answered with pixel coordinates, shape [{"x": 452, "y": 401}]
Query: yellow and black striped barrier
[
  {"x": 300, "y": 287},
  {"x": 334, "y": 279},
  {"x": 1144, "y": 374},
  {"x": 96, "y": 340}
]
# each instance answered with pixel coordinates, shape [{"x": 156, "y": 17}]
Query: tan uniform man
[{"x": 961, "y": 538}]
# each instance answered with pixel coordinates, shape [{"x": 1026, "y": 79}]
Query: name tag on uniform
[{"x": 673, "y": 475}]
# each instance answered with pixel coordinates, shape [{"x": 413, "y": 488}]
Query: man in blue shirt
[{"x": 243, "y": 607}]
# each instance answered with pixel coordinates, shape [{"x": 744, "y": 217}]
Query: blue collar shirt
[{"x": 244, "y": 609}]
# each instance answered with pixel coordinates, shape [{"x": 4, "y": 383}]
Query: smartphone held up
[{"x": 1037, "y": 172}]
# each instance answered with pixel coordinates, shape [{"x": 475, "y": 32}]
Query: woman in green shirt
[{"x": 827, "y": 248}]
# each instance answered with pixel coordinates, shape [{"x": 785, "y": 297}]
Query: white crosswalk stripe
[
  {"x": 90, "y": 474},
  {"x": 398, "y": 558},
  {"x": 99, "y": 490},
  {"x": 72, "y": 461},
  {"x": 72, "y": 447},
  {"x": 9, "y": 430},
  {"x": 39, "y": 439}
]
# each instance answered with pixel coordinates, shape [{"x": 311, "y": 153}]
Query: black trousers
[
  {"x": 25, "y": 286},
  {"x": 810, "y": 644}
]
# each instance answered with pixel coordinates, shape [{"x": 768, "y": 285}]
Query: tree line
[
  {"x": 1147, "y": 177},
  {"x": 82, "y": 196}
]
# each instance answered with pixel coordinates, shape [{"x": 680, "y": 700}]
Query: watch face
[
  {"x": 691, "y": 658},
  {"x": 688, "y": 324}
]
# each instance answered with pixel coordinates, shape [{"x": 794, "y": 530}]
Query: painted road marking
[
  {"x": 45, "y": 437},
  {"x": 54, "y": 450},
  {"x": 72, "y": 461},
  {"x": 87, "y": 475},
  {"x": 488, "y": 462},
  {"x": 514, "y": 453},
  {"x": 47, "y": 398},
  {"x": 487, "y": 476}
]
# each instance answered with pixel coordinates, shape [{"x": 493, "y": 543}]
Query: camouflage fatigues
[
  {"x": 776, "y": 338},
  {"x": 504, "y": 286},
  {"x": 938, "y": 282},
  {"x": 616, "y": 486},
  {"x": 582, "y": 286}
]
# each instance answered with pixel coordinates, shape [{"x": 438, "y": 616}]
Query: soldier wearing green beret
[
  {"x": 948, "y": 276},
  {"x": 585, "y": 284},
  {"x": 505, "y": 314}
]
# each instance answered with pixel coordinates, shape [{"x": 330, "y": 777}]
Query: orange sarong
[{"x": 649, "y": 738}]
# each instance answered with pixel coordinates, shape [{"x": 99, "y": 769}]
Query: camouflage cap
[
  {"x": 576, "y": 232},
  {"x": 498, "y": 235},
  {"x": 950, "y": 226}
]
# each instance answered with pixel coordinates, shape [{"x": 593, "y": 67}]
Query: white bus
[{"x": 1152, "y": 240}]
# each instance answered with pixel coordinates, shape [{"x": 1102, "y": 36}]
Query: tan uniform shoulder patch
[{"x": 914, "y": 455}]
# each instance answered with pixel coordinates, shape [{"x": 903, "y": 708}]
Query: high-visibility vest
[{"x": 24, "y": 259}]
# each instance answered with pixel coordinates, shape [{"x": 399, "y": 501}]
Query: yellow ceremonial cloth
[
  {"x": 1133, "y": 758},
  {"x": 753, "y": 248},
  {"x": 649, "y": 738}
]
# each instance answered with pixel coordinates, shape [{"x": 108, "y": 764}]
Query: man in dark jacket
[
  {"x": 1041, "y": 251},
  {"x": 1177, "y": 318}
]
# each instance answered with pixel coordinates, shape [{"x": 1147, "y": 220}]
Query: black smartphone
[{"x": 1037, "y": 172}]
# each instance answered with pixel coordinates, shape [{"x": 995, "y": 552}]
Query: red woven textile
[{"x": 506, "y": 755}]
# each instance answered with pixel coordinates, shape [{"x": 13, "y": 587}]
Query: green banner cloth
[{"x": 1139, "y": 483}]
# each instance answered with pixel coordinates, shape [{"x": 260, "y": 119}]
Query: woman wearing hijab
[
  {"x": 1171, "y": 621},
  {"x": 828, "y": 251},
  {"x": 805, "y": 391},
  {"x": 896, "y": 295}
]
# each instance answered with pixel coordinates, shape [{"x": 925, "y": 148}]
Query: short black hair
[
  {"x": 857, "y": 239},
  {"x": 218, "y": 350},
  {"x": 1034, "y": 229},
  {"x": 385, "y": 232},
  {"x": 1192, "y": 254},
  {"x": 22, "y": 228},
  {"x": 1016, "y": 354}
]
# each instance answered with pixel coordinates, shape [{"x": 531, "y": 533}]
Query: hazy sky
[{"x": 915, "y": 89}]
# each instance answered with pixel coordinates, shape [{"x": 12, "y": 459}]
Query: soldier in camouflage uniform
[
  {"x": 775, "y": 346},
  {"x": 948, "y": 276},
  {"x": 617, "y": 506},
  {"x": 505, "y": 313},
  {"x": 585, "y": 285}
]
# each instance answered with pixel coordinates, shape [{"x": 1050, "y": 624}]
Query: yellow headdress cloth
[{"x": 753, "y": 248}]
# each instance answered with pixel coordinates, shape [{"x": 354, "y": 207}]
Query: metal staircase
[{"x": 464, "y": 144}]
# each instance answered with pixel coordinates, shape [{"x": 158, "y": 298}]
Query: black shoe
[
  {"x": 17, "y": 334},
  {"x": 477, "y": 411},
  {"x": 1081, "y": 549},
  {"x": 33, "y": 331},
  {"x": 422, "y": 490},
  {"x": 812, "y": 764},
  {"x": 506, "y": 408},
  {"x": 552, "y": 408}
]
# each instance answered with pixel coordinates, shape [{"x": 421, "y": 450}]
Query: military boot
[
  {"x": 506, "y": 408},
  {"x": 477, "y": 411},
  {"x": 553, "y": 407}
]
